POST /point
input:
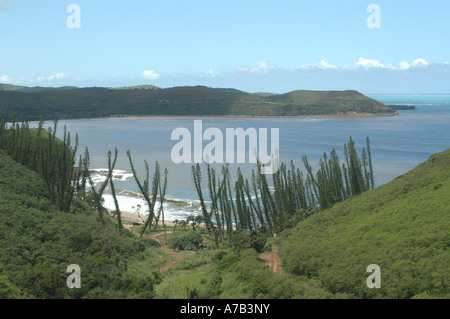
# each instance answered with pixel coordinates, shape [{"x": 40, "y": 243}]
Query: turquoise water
[
  {"x": 398, "y": 143},
  {"x": 414, "y": 99}
]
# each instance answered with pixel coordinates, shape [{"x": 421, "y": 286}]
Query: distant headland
[{"x": 146, "y": 100}]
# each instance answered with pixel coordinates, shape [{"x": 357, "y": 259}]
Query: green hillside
[
  {"x": 313, "y": 102},
  {"x": 403, "y": 226},
  {"x": 38, "y": 243},
  {"x": 69, "y": 102},
  {"x": 11, "y": 87},
  {"x": 26, "y": 89}
]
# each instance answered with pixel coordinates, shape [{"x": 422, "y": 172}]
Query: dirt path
[
  {"x": 272, "y": 259},
  {"x": 169, "y": 263},
  {"x": 177, "y": 256}
]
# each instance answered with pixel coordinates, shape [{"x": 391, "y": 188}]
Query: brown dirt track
[
  {"x": 177, "y": 256},
  {"x": 272, "y": 259}
]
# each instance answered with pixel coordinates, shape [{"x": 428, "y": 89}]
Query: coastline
[
  {"x": 134, "y": 218},
  {"x": 348, "y": 115}
]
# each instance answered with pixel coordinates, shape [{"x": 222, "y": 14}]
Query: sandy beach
[
  {"x": 349, "y": 114},
  {"x": 134, "y": 218}
]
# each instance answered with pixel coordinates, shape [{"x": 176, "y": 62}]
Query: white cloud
[
  {"x": 210, "y": 74},
  {"x": 57, "y": 76},
  {"x": 419, "y": 62},
  {"x": 366, "y": 64},
  {"x": 261, "y": 67},
  {"x": 323, "y": 64},
  {"x": 5, "y": 79},
  {"x": 404, "y": 65},
  {"x": 372, "y": 63},
  {"x": 150, "y": 75},
  {"x": 416, "y": 63}
]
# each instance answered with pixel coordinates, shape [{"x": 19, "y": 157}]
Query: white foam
[
  {"x": 99, "y": 175},
  {"x": 131, "y": 204}
]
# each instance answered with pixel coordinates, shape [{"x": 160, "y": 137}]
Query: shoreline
[
  {"x": 345, "y": 116},
  {"x": 134, "y": 218},
  {"x": 348, "y": 115}
]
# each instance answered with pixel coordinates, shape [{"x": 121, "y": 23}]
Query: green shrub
[{"x": 191, "y": 239}]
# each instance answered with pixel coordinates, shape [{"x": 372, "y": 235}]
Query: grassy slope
[
  {"x": 403, "y": 226},
  {"x": 222, "y": 274},
  {"x": 197, "y": 100},
  {"x": 37, "y": 243}
]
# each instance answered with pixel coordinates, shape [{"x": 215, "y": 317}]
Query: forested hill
[
  {"x": 71, "y": 102},
  {"x": 403, "y": 227}
]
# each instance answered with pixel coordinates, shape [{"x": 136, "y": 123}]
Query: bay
[{"x": 398, "y": 144}]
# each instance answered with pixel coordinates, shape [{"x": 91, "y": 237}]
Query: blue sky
[{"x": 274, "y": 46}]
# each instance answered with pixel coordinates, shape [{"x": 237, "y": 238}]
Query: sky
[{"x": 376, "y": 46}]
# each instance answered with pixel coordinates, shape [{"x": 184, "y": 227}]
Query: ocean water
[{"x": 398, "y": 144}]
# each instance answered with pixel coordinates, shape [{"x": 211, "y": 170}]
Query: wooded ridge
[{"x": 72, "y": 102}]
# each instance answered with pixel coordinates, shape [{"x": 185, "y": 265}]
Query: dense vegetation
[
  {"x": 39, "y": 187},
  {"x": 402, "y": 226},
  {"x": 41, "y": 151},
  {"x": 302, "y": 102},
  {"x": 38, "y": 242},
  {"x": 72, "y": 102},
  {"x": 257, "y": 205}
]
